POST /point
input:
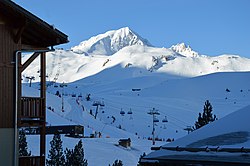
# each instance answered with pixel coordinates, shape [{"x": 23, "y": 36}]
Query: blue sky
[{"x": 211, "y": 27}]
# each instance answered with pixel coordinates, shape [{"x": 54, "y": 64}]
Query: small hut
[{"x": 125, "y": 142}]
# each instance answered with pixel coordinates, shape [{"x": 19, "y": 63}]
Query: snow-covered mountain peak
[
  {"x": 122, "y": 32},
  {"x": 184, "y": 49},
  {"x": 110, "y": 42}
]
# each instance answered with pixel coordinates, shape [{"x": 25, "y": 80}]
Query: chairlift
[
  {"x": 130, "y": 112},
  {"x": 98, "y": 103},
  {"x": 165, "y": 120},
  {"x": 189, "y": 129},
  {"x": 31, "y": 78},
  {"x": 102, "y": 104},
  {"x": 156, "y": 120},
  {"x": 122, "y": 112},
  {"x": 95, "y": 103}
]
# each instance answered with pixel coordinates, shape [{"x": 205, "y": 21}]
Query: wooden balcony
[
  {"x": 31, "y": 160},
  {"x": 32, "y": 110}
]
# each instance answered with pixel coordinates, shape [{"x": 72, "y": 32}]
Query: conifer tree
[
  {"x": 117, "y": 163},
  {"x": 76, "y": 156},
  {"x": 56, "y": 157},
  {"x": 69, "y": 157},
  {"x": 206, "y": 117},
  {"x": 23, "y": 146}
]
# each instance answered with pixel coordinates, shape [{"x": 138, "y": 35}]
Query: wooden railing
[
  {"x": 32, "y": 107},
  {"x": 31, "y": 160}
]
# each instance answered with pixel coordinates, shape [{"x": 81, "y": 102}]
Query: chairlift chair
[
  {"x": 102, "y": 104},
  {"x": 156, "y": 120},
  {"x": 122, "y": 113},
  {"x": 130, "y": 112},
  {"x": 96, "y": 103},
  {"x": 165, "y": 120}
]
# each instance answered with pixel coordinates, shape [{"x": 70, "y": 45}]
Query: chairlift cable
[{"x": 171, "y": 118}]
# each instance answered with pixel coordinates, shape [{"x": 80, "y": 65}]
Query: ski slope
[{"x": 180, "y": 100}]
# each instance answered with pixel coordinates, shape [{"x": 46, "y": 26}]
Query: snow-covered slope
[
  {"x": 178, "y": 100},
  {"x": 98, "y": 151},
  {"x": 110, "y": 42},
  {"x": 67, "y": 66}
]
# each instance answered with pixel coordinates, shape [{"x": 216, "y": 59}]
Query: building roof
[
  {"x": 225, "y": 140},
  {"x": 33, "y": 31}
]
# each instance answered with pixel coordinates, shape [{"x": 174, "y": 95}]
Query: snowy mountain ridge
[
  {"x": 182, "y": 49},
  {"x": 135, "y": 61},
  {"x": 110, "y": 42},
  {"x": 125, "y": 49}
]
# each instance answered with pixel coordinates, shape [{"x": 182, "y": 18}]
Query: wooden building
[
  {"x": 21, "y": 31},
  {"x": 125, "y": 142}
]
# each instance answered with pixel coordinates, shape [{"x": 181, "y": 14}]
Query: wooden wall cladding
[{"x": 7, "y": 77}]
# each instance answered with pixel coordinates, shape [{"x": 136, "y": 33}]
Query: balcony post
[{"x": 43, "y": 96}]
